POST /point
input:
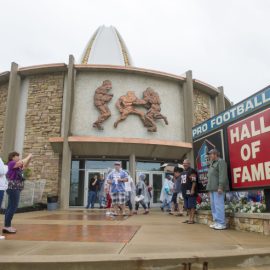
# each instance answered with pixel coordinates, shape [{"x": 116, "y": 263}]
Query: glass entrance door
[
  {"x": 155, "y": 180},
  {"x": 88, "y": 175}
]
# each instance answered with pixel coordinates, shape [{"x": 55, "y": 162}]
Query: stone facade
[
  {"x": 202, "y": 107},
  {"x": 259, "y": 223},
  {"x": 3, "y": 102},
  {"x": 42, "y": 121}
]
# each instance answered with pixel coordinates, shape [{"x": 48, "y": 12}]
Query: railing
[{"x": 30, "y": 195}]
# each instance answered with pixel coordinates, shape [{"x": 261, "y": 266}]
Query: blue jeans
[
  {"x": 92, "y": 195},
  {"x": 2, "y": 192},
  {"x": 128, "y": 201},
  {"x": 100, "y": 198},
  {"x": 166, "y": 203},
  {"x": 13, "y": 203},
  {"x": 218, "y": 207}
]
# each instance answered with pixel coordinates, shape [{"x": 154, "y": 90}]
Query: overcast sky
[{"x": 224, "y": 42}]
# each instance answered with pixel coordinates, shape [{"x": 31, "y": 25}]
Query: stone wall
[
  {"x": 202, "y": 107},
  {"x": 43, "y": 120},
  {"x": 3, "y": 101},
  {"x": 259, "y": 223}
]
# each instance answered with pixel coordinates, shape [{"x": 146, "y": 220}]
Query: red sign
[{"x": 249, "y": 151}]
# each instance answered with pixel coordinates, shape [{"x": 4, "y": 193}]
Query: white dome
[{"x": 106, "y": 47}]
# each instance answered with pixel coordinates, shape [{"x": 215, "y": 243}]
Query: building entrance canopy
[{"x": 110, "y": 146}]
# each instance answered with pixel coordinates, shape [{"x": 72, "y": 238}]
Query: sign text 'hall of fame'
[{"x": 249, "y": 150}]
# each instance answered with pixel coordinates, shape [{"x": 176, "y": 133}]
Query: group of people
[
  {"x": 180, "y": 191},
  {"x": 12, "y": 182},
  {"x": 119, "y": 191}
]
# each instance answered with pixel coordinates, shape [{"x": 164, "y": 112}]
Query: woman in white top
[
  {"x": 3, "y": 184},
  {"x": 130, "y": 194},
  {"x": 141, "y": 195}
]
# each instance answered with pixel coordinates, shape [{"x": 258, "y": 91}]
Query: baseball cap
[
  {"x": 117, "y": 163},
  {"x": 213, "y": 151}
]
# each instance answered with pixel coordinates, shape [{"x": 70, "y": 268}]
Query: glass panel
[
  {"x": 147, "y": 179},
  {"x": 76, "y": 197},
  {"x": 157, "y": 186},
  {"x": 148, "y": 166},
  {"x": 102, "y": 164}
]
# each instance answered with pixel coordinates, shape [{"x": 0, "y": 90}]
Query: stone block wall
[
  {"x": 259, "y": 223},
  {"x": 202, "y": 107},
  {"x": 43, "y": 120},
  {"x": 3, "y": 102}
]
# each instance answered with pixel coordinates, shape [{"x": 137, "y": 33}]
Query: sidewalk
[{"x": 81, "y": 235}]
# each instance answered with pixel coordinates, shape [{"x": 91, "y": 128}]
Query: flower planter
[{"x": 250, "y": 222}]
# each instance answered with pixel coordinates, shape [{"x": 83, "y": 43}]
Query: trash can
[{"x": 52, "y": 202}]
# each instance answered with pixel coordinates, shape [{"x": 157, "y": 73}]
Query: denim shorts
[{"x": 190, "y": 202}]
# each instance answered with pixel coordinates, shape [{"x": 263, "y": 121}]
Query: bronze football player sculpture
[
  {"x": 101, "y": 99},
  {"x": 125, "y": 105},
  {"x": 152, "y": 103}
]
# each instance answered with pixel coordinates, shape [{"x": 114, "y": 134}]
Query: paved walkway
[{"x": 91, "y": 235}]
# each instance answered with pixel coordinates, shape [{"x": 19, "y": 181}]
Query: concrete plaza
[{"x": 84, "y": 239}]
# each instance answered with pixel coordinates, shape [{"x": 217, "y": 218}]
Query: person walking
[
  {"x": 15, "y": 186},
  {"x": 177, "y": 195},
  {"x": 101, "y": 192},
  {"x": 129, "y": 187},
  {"x": 117, "y": 179},
  {"x": 189, "y": 190},
  {"x": 217, "y": 185},
  {"x": 92, "y": 192},
  {"x": 141, "y": 193},
  {"x": 108, "y": 199},
  {"x": 149, "y": 195},
  {"x": 3, "y": 185},
  {"x": 166, "y": 193}
]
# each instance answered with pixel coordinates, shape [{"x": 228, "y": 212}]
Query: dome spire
[{"x": 106, "y": 47}]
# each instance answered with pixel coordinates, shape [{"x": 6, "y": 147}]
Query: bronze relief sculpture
[
  {"x": 126, "y": 106},
  {"x": 101, "y": 100},
  {"x": 151, "y": 97}
]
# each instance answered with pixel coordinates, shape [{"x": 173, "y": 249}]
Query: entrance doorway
[
  {"x": 155, "y": 179},
  {"x": 88, "y": 175},
  {"x": 84, "y": 169}
]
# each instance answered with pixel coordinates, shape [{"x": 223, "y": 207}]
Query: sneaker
[
  {"x": 2, "y": 237},
  {"x": 9, "y": 230},
  {"x": 220, "y": 227},
  {"x": 213, "y": 225}
]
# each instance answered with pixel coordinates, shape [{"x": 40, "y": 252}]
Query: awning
[{"x": 122, "y": 147}]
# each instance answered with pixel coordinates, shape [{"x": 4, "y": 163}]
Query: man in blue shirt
[{"x": 117, "y": 179}]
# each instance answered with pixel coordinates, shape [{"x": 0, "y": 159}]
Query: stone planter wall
[{"x": 259, "y": 223}]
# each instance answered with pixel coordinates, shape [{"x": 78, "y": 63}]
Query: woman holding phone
[{"x": 15, "y": 186}]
